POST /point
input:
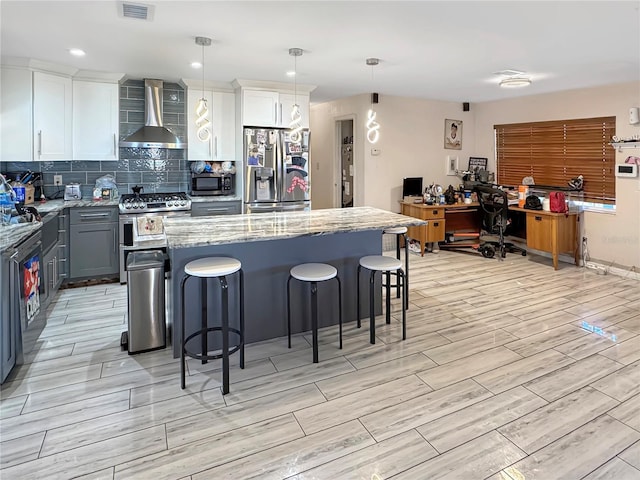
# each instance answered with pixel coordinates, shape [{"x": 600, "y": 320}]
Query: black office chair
[{"x": 495, "y": 221}]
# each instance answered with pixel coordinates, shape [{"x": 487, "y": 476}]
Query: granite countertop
[
  {"x": 184, "y": 232},
  {"x": 11, "y": 235}
]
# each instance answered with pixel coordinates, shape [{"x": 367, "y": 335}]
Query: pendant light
[
  {"x": 202, "y": 111},
  {"x": 373, "y": 127},
  {"x": 296, "y": 117}
]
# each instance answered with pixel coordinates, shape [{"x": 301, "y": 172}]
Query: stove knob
[
  {"x": 127, "y": 205},
  {"x": 183, "y": 203}
]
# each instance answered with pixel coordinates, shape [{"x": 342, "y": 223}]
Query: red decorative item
[{"x": 558, "y": 202}]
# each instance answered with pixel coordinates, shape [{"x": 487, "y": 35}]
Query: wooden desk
[{"x": 550, "y": 232}]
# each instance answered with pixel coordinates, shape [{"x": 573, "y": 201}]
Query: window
[{"x": 557, "y": 151}]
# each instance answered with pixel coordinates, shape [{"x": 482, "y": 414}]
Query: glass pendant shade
[
  {"x": 373, "y": 127},
  {"x": 295, "y": 125},
  {"x": 202, "y": 122}
]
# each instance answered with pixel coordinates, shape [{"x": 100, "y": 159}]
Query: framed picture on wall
[
  {"x": 453, "y": 134},
  {"x": 452, "y": 165}
]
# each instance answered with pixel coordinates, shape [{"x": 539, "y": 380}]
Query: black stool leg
[
  {"x": 314, "y": 319},
  {"x": 404, "y": 297},
  {"x": 289, "y": 309},
  {"x": 358, "y": 295},
  {"x": 406, "y": 270},
  {"x": 372, "y": 313},
  {"x": 388, "y": 290},
  {"x": 182, "y": 336},
  {"x": 340, "y": 308},
  {"x": 398, "y": 257},
  {"x": 225, "y": 334},
  {"x": 241, "y": 319},
  {"x": 203, "y": 319}
]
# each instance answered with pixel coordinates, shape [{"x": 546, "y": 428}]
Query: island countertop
[{"x": 184, "y": 232}]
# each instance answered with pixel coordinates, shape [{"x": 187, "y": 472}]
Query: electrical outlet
[{"x": 57, "y": 179}]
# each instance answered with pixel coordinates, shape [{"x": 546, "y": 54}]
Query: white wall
[
  {"x": 411, "y": 145},
  {"x": 611, "y": 238},
  {"x": 411, "y": 142}
]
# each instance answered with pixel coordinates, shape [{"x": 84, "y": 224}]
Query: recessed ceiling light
[
  {"x": 77, "y": 52},
  {"x": 515, "y": 82},
  {"x": 196, "y": 65},
  {"x": 291, "y": 73}
]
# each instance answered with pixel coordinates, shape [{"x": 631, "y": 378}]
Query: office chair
[{"x": 495, "y": 213}]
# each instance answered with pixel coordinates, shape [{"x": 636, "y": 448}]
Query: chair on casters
[
  {"x": 401, "y": 232},
  {"x": 313, "y": 273},
  {"x": 495, "y": 220},
  {"x": 386, "y": 265},
  {"x": 205, "y": 268}
]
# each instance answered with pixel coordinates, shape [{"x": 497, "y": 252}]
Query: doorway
[{"x": 345, "y": 136}]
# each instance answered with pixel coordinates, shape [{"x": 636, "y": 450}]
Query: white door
[
  {"x": 16, "y": 126},
  {"x": 95, "y": 121},
  {"x": 260, "y": 108},
  {"x": 52, "y": 114},
  {"x": 224, "y": 126}
]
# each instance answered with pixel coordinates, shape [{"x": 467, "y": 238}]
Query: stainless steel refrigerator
[{"x": 277, "y": 171}]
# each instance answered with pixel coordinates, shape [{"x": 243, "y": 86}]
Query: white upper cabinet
[
  {"x": 95, "y": 120},
  {"x": 16, "y": 127},
  {"x": 261, "y": 108},
  {"x": 222, "y": 114},
  {"x": 52, "y": 114},
  {"x": 286, "y": 105}
]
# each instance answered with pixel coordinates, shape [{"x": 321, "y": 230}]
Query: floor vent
[{"x": 136, "y": 10}]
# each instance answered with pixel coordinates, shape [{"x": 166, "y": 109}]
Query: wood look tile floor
[{"x": 502, "y": 377}]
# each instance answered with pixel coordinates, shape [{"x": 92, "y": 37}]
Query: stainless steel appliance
[
  {"x": 212, "y": 184},
  {"x": 277, "y": 171},
  {"x": 72, "y": 192},
  {"x": 145, "y": 207}
]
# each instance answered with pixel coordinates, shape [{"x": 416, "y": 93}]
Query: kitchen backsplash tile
[{"x": 157, "y": 170}]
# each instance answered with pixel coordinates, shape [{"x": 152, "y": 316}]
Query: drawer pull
[
  {"x": 537, "y": 218},
  {"x": 435, "y": 212},
  {"x": 436, "y": 224},
  {"x": 88, "y": 215}
]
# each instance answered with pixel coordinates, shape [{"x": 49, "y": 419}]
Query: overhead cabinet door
[
  {"x": 52, "y": 113},
  {"x": 95, "y": 121},
  {"x": 260, "y": 108}
]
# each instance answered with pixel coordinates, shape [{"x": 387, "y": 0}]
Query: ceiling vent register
[{"x": 136, "y": 10}]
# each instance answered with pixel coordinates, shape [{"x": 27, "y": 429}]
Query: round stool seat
[
  {"x": 380, "y": 263},
  {"x": 313, "y": 272},
  {"x": 212, "y": 267},
  {"x": 395, "y": 230}
]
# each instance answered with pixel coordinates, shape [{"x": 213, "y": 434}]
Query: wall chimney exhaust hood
[{"x": 153, "y": 134}]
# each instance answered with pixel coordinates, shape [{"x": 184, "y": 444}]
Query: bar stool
[
  {"x": 386, "y": 265},
  {"x": 401, "y": 232},
  {"x": 206, "y": 268},
  {"x": 313, "y": 273}
]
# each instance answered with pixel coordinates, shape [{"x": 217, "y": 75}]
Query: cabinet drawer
[
  {"x": 436, "y": 230},
  {"x": 539, "y": 232},
  {"x": 215, "y": 208},
  {"x": 431, "y": 213},
  {"x": 93, "y": 215}
]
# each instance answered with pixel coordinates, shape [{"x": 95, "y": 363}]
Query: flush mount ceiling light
[
  {"x": 202, "y": 111},
  {"x": 77, "y": 52},
  {"x": 296, "y": 117},
  {"x": 373, "y": 127},
  {"x": 515, "y": 82}
]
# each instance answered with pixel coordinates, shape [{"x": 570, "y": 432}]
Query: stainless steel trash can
[{"x": 145, "y": 294}]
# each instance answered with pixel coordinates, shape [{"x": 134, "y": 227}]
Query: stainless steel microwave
[{"x": 209, "y": 183}]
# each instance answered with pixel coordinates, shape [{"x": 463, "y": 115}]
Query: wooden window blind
[{"x": 556, "y": 151}]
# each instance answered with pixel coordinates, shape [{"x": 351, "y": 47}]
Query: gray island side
[{"x": 268, "y": 245}]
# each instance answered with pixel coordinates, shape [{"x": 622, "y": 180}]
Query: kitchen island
[{"x": 268, "y": 245}]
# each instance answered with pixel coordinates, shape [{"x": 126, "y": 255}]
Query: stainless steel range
[{"x": 141, "y": 221}]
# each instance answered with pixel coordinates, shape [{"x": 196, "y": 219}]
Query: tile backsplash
[{"x": 156, "y": 169}]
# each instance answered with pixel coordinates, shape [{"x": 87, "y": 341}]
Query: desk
[{"x": 550, "y": 232}]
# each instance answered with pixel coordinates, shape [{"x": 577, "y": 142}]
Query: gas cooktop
[{"x": 154, "y": 202}]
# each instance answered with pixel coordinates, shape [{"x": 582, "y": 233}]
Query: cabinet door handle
[
  {"x": 281, "y": 121},
  {"x": 114, "y": 241},
  {"x": 216, "y": 147},
  {"x": 209, "y": 147},
  {"x": 537, "y": 219},
  {"x": 89, "y": 215},
  {"x": 115, "y": 145},
  {"x": 39, "y": 143}
]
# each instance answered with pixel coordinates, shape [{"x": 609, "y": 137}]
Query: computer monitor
[{"x": 412, "y": 187}]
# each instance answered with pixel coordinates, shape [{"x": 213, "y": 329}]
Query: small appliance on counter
[
  {"x": 72, "y": 192},
  {"x": 213, "y": 183}
]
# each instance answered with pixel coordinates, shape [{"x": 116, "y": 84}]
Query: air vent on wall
[{"x": 136, "y": 10}]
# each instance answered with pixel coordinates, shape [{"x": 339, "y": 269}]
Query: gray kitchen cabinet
[
  {"x": 8, "y": 314},
  {"x": 93, "y": 242},
  {"x": 205, "y": 209}
]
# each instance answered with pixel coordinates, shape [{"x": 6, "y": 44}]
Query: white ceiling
[{"x": 445, "y": 50}]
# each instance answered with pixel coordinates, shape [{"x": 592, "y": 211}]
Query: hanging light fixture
[
  {"x": 373, "y": 127},
  {"x": 515, "y": 82},
  {"x": 202, "y": 111},
  {"x": 296, "y": 117}
]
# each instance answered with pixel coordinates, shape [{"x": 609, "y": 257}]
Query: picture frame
[
  {"x": 453, "y": 134},
  {"x": 452, "y": 165}
]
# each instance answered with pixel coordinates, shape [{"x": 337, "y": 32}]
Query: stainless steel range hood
[{"x": 153, "y": 134}]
